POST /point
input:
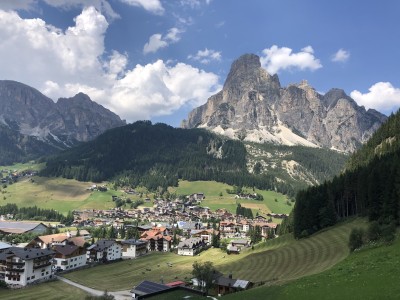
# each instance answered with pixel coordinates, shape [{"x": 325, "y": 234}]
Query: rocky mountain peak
[
  {"x": 253, "y": 106},
  {"x": 30, "y": 113}
]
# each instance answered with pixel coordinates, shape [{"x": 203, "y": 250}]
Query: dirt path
[{"x": 120, "y": 295}]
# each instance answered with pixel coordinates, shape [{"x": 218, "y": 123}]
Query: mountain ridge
[
  {"x": 37, "y": 125},
  {"x": 252, "y": 106}
]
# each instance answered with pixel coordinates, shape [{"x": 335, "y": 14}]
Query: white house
[
  {"x": 22, "y": 266},
  {"x": 190, "y": 246},
  {"x": 68, "y": 257},
  {"x": 133, "y": 248},
  {"x": 104, "y": 250}
]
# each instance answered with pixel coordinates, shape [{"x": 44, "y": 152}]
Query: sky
[{"x": 159, "y": 59}]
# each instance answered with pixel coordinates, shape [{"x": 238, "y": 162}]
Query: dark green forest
[
  {"x": 157, "y": 156},
  {"x": 370, "y": 187},
  {"x": 35, "y": 213}
]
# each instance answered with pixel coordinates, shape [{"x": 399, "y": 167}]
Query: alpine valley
[{"x": 287, "y": 138}]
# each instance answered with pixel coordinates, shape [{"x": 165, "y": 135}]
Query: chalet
[
  {"x": 69, "y": 257},
  {"x": 50, "y": 240},
  {"x": 266, "y": 227},
  {"x": 191, "y": 246},
  {"x": 227, "y": 228},
  {"x": 227, "y": 285},
  {"x": 14, "y": 227},
  {"x": 133, "y": 248},
  {"x": 205, "y": 235},
  {"x": 22, "y": 266},
  {"x": 157, "y": 242},
  {"x": 104, "y": 251},
  {"x": 241, "y": 243}
]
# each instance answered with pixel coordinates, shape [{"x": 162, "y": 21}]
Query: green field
[
  {"x": 58, "y": 193},
  {"x": 367, "y": 274},
  {"x": 24, "y": 166},
  {"x": 276, "y": 261},
  {"x": 64, "y": 195},
  {"x": 214, "y": 200},
  {"x": 54, "y": 290}
]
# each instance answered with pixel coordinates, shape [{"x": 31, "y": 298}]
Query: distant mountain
[
  {"x": 33, "y": 125},
  {"x": 253, "y": 106}
]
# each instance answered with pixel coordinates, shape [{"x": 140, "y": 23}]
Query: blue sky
[{"x": 158, "y": 59}]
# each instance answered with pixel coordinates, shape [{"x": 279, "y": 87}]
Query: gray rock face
[
  {"x": 27, "y": 111},
  {"x": 253, "y": 106}
]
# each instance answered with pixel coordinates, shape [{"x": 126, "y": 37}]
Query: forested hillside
[
  {"x": 156, "y": 156},
  {"x": 385, "y": 140},
  {"x": 370, "y": 186}
]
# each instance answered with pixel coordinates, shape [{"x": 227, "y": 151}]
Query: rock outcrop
[
  {"x": 27, "y": 112},
  {"x": 253, "y": 106}
]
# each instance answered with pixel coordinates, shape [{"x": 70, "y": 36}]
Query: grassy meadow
[
  {"x": 57, "y": 193},
  {"x": 275, "y": 261},
  {"x": 273, "y": 201},
  {"x": 54, "y": 290},
  {"x": 64, "y": 195},
  {"x": 368, "y": 274}
]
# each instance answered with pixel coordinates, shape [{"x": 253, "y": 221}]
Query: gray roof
[
  {"x": 25, "y": 253},
  {"x": 189, "y": 243},
  {"x": 133, "y": 242},
  {"x": 19, "y": 227},
  {"x": 241, "y": 284},
  {"x": 149, "y": 287},
  {"x": 4, "y": 245},
  {"x": 240, "y": 241},
  {"x": 101, "y": 245}
]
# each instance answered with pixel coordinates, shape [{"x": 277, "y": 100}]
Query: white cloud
[
  {"x": 158, "y": 41},
  {"x": 341, "y": 56},
  {"x": 153, "y": 6},
  {"x": 194, "y": 3},
  {"x": 18, "y": 4},
  {"x": 206, "y": 56},
  {"x": 276, "y": 59},
  {"x": 155, "y": 43},
  {"x": 382, "y": 96},
  {"x": 159, "y": 89},
  {"x": 61, "y": 63}
]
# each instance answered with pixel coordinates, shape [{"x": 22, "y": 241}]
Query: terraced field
[{"x": 275, "y": 261}]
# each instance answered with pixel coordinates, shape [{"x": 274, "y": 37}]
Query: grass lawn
[
  {"x": 214, "y": 200},
  {"x": 366, "y": 274},
  {"x": 24, "y": 166},
  {"x": 275, "y": 261},
  {"x": 57, "y": 193},
  {"x": 55, "y": 290}
]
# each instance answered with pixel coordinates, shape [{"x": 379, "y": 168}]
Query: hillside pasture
[
  {"x": 275, "y": 261},
  {"x": 368, "y": 274},
  {"x": 217, "y": 197},
  {"x": 56, "y": 193}
]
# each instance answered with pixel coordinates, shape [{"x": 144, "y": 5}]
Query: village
[{"x": 181, "y": 226}]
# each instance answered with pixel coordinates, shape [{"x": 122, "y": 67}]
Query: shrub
[
  {"x": 374, "y": 231},
  {"x": 356, "y": 239}
]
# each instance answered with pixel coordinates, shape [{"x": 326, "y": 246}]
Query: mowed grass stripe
[{"x": 279, "y": 260}]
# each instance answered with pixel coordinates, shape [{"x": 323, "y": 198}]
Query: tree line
[
  {"x": 370, "y": 188},
  {"x": 35, "y": 213}
]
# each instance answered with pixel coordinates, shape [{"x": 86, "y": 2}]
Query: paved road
[{"x": 121, "y": 295}]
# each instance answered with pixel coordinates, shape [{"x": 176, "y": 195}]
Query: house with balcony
[
  {"x": 191, "y": 246},
  {"x": 68, "y": 257},
  {"x": 104, "y": 251},
  {"x": 23, "y": 266},
  {"x": 133, "y": 248}
]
